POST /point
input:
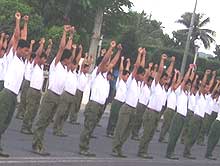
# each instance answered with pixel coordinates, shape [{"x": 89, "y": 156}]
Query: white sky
[{"x": 168, "y": 11}]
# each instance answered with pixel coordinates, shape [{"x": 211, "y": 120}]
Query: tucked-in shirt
[
  {"x": 209, "y": 104},
  {"x": 182, "y": 99},
  {"x": 82, "y": 82},
  {"x": 171, "y": 99},
  {"x": 37, "y": 77},
  {"x": 121, "y": 90},
  {"x": 155, "y": 101},
  {"x": 191, "y": 102},
  {"x": 57, "y": 77},
  {"x": 133, "y": 91},
  {"x": 14, "y": 75},
  {"x": 200, "y": 106},
  {"x": 215, "y": 105},
  {"x": 144, "y": 94},
  {"x": 3, "y": 67},
  {"x": 100, "y": 89},
  {"x": 71, "y": 82},
  {"x": 28, "y": 70}
]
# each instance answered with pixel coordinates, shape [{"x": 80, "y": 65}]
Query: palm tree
[
  {"x": 199, "y": 32},
  {"x": 217, "y": 52}
]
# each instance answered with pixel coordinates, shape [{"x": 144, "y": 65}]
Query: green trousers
[
  {"x": 195, "y": 125},
  {"x": 150, "y": 122},
  {"x": 213, "y": 137},
  {"x": 67, "y": 104},
  {"x": 7, "y": 107},
  {"x": 167, "y": 119},
  {"x": 186, "y": 125},
  {"x": 138, "y": 120},
  {"x": 47, "y": 111},
  {"x": 1, "y": 85},
  {"x": 123, "y": 127},
  {"x": 74, "y": 112},
  {"x": 32, "y": 105},
  {"x": 91, "y": 115},
  {"x": 113, "y": 118},
  {"x": 207, "y": 122},
  {"x": 174, "y": 132},
  {"x": 22, "y": 106}
]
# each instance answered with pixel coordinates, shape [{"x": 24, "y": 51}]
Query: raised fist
[
  {"x": 113, "y": 44},
  {"x": 2, "y": 35},
  {"x": 42, "y": 40},
  {"x": 144, "y": 51},
  {"x": 26, "y": 18},
  {"x": 6, "y": 36},
  {"x": 150, "y": 65},
  {"x": 72, "y": 29},
  {"x": 197, "y": 76},
  {"x": 32, "y": 42},
  {"x": 122, "y": 58},
  {"x": 214, "y": 73},
  {"x": 50, "y": 41},
  {"x": 67, "y": 28},
  {"x": 191, "y": 66},
  {"x": 119, "y": 46},
  {"x": 80, "y": 47},
  {"x": 173, "y": 58},
  {"x": 18, "y": 15},
  {"x": 74, "y": 46},
  {"x": 140, "y": 50},
  {"x": 208, "y": 71}
]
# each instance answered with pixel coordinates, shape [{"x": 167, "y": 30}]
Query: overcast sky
[{"x": 168, "y": 11}]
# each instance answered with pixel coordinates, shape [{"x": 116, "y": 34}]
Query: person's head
[
  {"x": 33, "y": 55},
  {"x": 65, "y": 58},
  {"x": 43, "y": 58},
  {"x": 140, "y": 74},
  {"x": 23, "y": 48},
  {"x": 2, "y": 52},
  {"x": 164, "y": 78},
  {"x": 188, "y": 85},
  {"x": 110, "y": 76},
  {"x": 207, "y": 88},
  {"x": 85, "y": 68},
  {"x": 149, "y": 81},
  {"x": 125, "y": 75}
]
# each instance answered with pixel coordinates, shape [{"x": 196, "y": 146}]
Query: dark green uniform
[
  {"x": 113, "y": 118},
  {"x": 186, "y": 125},
  {"x": 1, "y": 85},
  {"x": 22, "y": 106}
]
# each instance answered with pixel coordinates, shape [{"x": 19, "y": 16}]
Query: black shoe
[
  {"x": 172, "y": 157},
  {"x": 200, "y": 144},
  {"x": 26, "y": 131},
  {"x": 98, "y": 125},
  {"x": 110, "y": 135},
  {"x": 61, "y": 134},
  {"x": 145, "y": 156},
  {"x": 93, "y": 137},
  {"x": 2, "y": 154},
  {"x": 188, "y": 156},
  {"x": 87, "y": 154},
  {"x": 135, "y": 138},
  {"x": 116, "y": 153},
  {"x": 210, "y": 157},
  {"x": 162, "y": 141},
  {"x": 40, "y": 152},
  {"x": 19, "y": 116}
]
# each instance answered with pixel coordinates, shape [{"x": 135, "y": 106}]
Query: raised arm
[
  {"x": 49, "y": 47},
  {"x": 161, "y": 68},
  {"x": 24, "y": 31},
  {"x": 216, "y": 87},
  {"x": 186, "y": 77},
  {"x": 116, "y": 58},
  {"x": 2, "y": 40},
  {"x": 17, "y": 31},
  {"x": 40, "y": 48},
  {"x": 5, "y": 43},
  {"x": 128, "y": 64},
  {"x": 174, "y": 80},
  {"x": 30, "y": 49},
  {"x": 211, "y": 82},
  {"x": 147, "y": 72},
  {"x": 62, "y": 44},
  {"x": 121, "y": 67},
  {"x": 78, "y": 57},
  {"x": 154, "y": 72},
  {"x": 137, "y": 63},
  {"x": 70, "y": 41},
  {"x": 143, "y": 58},
  {"x": 205, "y": 77},
  {"x": 171, "y": 66}
]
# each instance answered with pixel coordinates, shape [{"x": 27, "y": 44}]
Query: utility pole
[{"x": 186, "y": 51}]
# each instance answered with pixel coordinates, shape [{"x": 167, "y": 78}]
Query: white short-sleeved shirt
[
  {"x": 209, "y": 104},
  {"x": 144, "y": 94},
  {"x": 28, "y": 70},
  {"x": 215, "y": 106},
  {"x": 57, "y": 77},
  {"x": 200, "y": 106},
  {"x": 100, "y": 89},
  {"x": 182, "y": 99},
  {"x": 14, "y": 75},
  {"x": 71, "y": 82},
  {"x": 191, "y": 102},
  {"x": 93, "y": 76},
  {"x": 82, "y": 81},
  {"x": 3, "y": 67},
  {"x": 37, "y": 77},
  {"x": 9, "y": 57},
  {"x": 218, "y": 117},
  {"x": 155, "y": 101},
  {"x": 121, "y": 90},
  {"x": 171, "y": 99},
  {"x": 133, "y": 92}
]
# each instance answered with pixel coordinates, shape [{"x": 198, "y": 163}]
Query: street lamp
[{"x": 197, "y": 45}]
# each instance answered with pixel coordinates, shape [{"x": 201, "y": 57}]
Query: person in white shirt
[
  {"x": 170, "y": 110},
  {"x": 142, "y": 103},
  {"x": 192, "y": 99},
  {"x": 13, "y": 79},
  {"x": 82, "y": 82},
  {"x": 207, "y": 118},
  {"x": 99, "y": 93},
  {"x": 57, "y": 78},
  {"x": 214, "y": 134},
  {"x": 179, "y": 118},
  {"x": 152, "y": 113},
  {"x": 127, "y": 111},
  {"x": 119, "y": 98},
  {"x": 34, "y": 91}
]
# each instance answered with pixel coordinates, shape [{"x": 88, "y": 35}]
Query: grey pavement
[{"x": 64, "y": 151}]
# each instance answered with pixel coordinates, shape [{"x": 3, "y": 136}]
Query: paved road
[{"x": 64, "y": 151}]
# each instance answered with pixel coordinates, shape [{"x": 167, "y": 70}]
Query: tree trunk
[{"x": 96, "y": 34}]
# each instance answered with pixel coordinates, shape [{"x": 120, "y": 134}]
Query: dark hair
[
  {"x": 164, "y": 74},
  {"x": 125, "y": 72},
  {"x": 43, "y": 55},
  {"x": 23, "y": 44},
  {"x": 140, "y": 70},
  {"x": 150, "y": 78},
  {"x": 188, "y": 82},
  {"x": 99, "y": 60},
  {"x": 33, "y": 55},
  {"x": 109, "y": 73},
  {"x": 85, "y": 65},
  {"x": 66, "y": 54}
]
